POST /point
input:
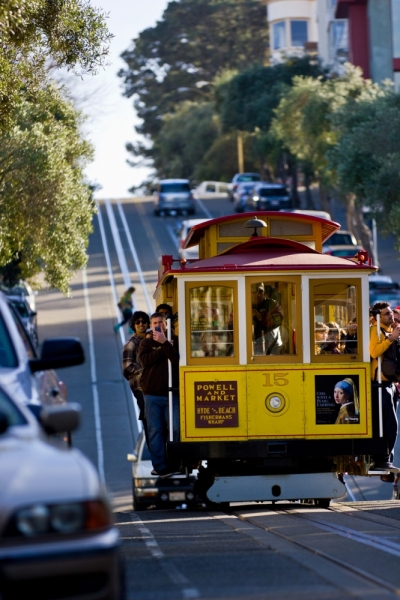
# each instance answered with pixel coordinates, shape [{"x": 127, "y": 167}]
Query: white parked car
[
  {"x": 182, "y": 233},
  {"x": 341, "y": 238},
  {"x": 321, "y": 214},
  {"x": 22, "y": 288},
  {"x": 211, "y": 189},
  {"x": 57, "y": 537},
  {"x": 25, "y": 373}
]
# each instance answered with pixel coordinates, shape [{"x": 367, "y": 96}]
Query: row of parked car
[
  {"x": 57, "y": 537},
  {"x": 246, "y": 190}
]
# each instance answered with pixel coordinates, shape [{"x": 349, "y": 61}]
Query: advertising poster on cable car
[{"x": 337, "y": 400}]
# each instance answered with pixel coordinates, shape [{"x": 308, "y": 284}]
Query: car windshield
[
  {"x": 174, "y": 188},
  {"x": 8, "y": 408},
  {"x": 345, "y": 252},
  {"x": 268, "y": 192},
  {"x": 345, "y": 239},
  {"x": 392, "y": 299},
  {"x": 383, "y": 285},
  {"x": 8, "y": 357},
  {"x": 21, "y": 308},
  {"x": 253, "y": 177}
]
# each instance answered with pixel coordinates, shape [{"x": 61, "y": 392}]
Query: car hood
[{"x": 33, "y": 470}]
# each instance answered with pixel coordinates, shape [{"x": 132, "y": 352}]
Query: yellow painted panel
[
  {"x": 213, "y": 404},
  {"x": 321, "y": 408},
  {"x": 276, "y": 402}
]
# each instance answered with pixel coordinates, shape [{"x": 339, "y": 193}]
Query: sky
[{"x": 111, "y": 116}]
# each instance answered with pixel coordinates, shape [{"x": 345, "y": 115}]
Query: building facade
[
  {"x": 293, "y": 28},
  {"x": 333, "y": 38},
  {"x": 374, "y": 37}
]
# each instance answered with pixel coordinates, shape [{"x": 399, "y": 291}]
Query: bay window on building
[{"x": 289, "y": 33}]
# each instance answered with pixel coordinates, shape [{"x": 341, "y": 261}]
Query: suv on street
[
  {"x": 241, "y": 178},
  {"x": 269, "y": 196},
  {"x": 174, "y": 197}
]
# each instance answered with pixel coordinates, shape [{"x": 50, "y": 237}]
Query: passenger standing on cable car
[
  {"x": 378, "y": 345},
  {"x": 131, "y": 367},
  {"x": 154, "y": 353}
]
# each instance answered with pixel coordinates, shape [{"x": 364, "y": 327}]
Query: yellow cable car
[{"x": 275, "y": 393}]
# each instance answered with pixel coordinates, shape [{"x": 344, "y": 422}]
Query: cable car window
[
  {"x": 335, "y": 323},
  {"x": 211, "y": 321},
  {"x": 273, "y": 318}
]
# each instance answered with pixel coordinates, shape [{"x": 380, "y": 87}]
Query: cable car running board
[{"x": 299, "y": 486}]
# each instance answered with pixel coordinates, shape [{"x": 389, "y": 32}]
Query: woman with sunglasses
[{"x": 131, "y": 368}]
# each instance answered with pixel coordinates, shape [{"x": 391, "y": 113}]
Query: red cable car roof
[
  {"x": 274, "y": 254},
  {"x": 198, "y": 231}
]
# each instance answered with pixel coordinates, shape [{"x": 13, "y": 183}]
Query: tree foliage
[
  {"x": 247, "y": 102},
  {"x": 366, "y": 158},
  {"x": 195, "y": 41},
  {"x": 191, "y": 145},
  {"x": 70, "y": 32},
  {"x": 45, "y": 215}
]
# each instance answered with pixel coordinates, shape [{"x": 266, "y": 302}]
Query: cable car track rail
[{"x": 241, "y": 521}]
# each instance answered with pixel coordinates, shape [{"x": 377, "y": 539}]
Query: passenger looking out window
[
  {"x": 211, "y": 321},
  {"x": 267, "y": 321},
  {"x": 335, "y": 309}
]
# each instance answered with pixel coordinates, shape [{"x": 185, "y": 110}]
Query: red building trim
[
  {"x": 356, "y": 12},
  {"x": 396, "y": 64}
]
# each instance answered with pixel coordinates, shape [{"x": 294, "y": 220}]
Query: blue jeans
[{"x": 157, "y": 417}]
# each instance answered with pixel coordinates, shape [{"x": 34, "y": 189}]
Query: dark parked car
[
  {"x": 241, "y": 178},
  {"x": 174, "y": 197},
  {"x": 241, "y": 196},
  {"x": 269, "y": 196},
  {"x": 383, "y": 289},
  {"x": 150, "y": 490}
]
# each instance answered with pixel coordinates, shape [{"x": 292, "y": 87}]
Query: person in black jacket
[{"x": 154, "y": 353}]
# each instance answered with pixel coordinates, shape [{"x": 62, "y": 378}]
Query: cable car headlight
[{"x": 275, "y": 403}]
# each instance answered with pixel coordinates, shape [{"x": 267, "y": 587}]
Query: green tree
[
  {"x": 247, "y": 102},
  {"x": 366, "y": 158},
  {"x": 45, "y": 209},
  {"x": 195, "y": 41},
  {"x": 46, "y": 213},
  {"x": 71, "y": 33},
  {"x": 302, "y": 123}
]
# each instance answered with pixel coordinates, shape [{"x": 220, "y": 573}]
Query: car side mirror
[
  {"x": 60, "y": 418},
  {"x": 4, "y": 424},
  {"x": 58, "y": 353}
]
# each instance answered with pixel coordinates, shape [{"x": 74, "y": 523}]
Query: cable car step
[{"x": 297, "y": 486}]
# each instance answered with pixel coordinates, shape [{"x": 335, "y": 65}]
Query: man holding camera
[
  {"x": 154, "y": 353},
  {"x": 379, "y": 344}
]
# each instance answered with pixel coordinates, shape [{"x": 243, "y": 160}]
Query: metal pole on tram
[
  {"x": 170, "y": 391},
  {"x": 378, "y": 327}
]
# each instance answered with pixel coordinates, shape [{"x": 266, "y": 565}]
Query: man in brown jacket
[{"x": 153, "y": 354}]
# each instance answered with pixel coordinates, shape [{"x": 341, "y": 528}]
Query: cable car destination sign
[{"x": 216, "y": 404}]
